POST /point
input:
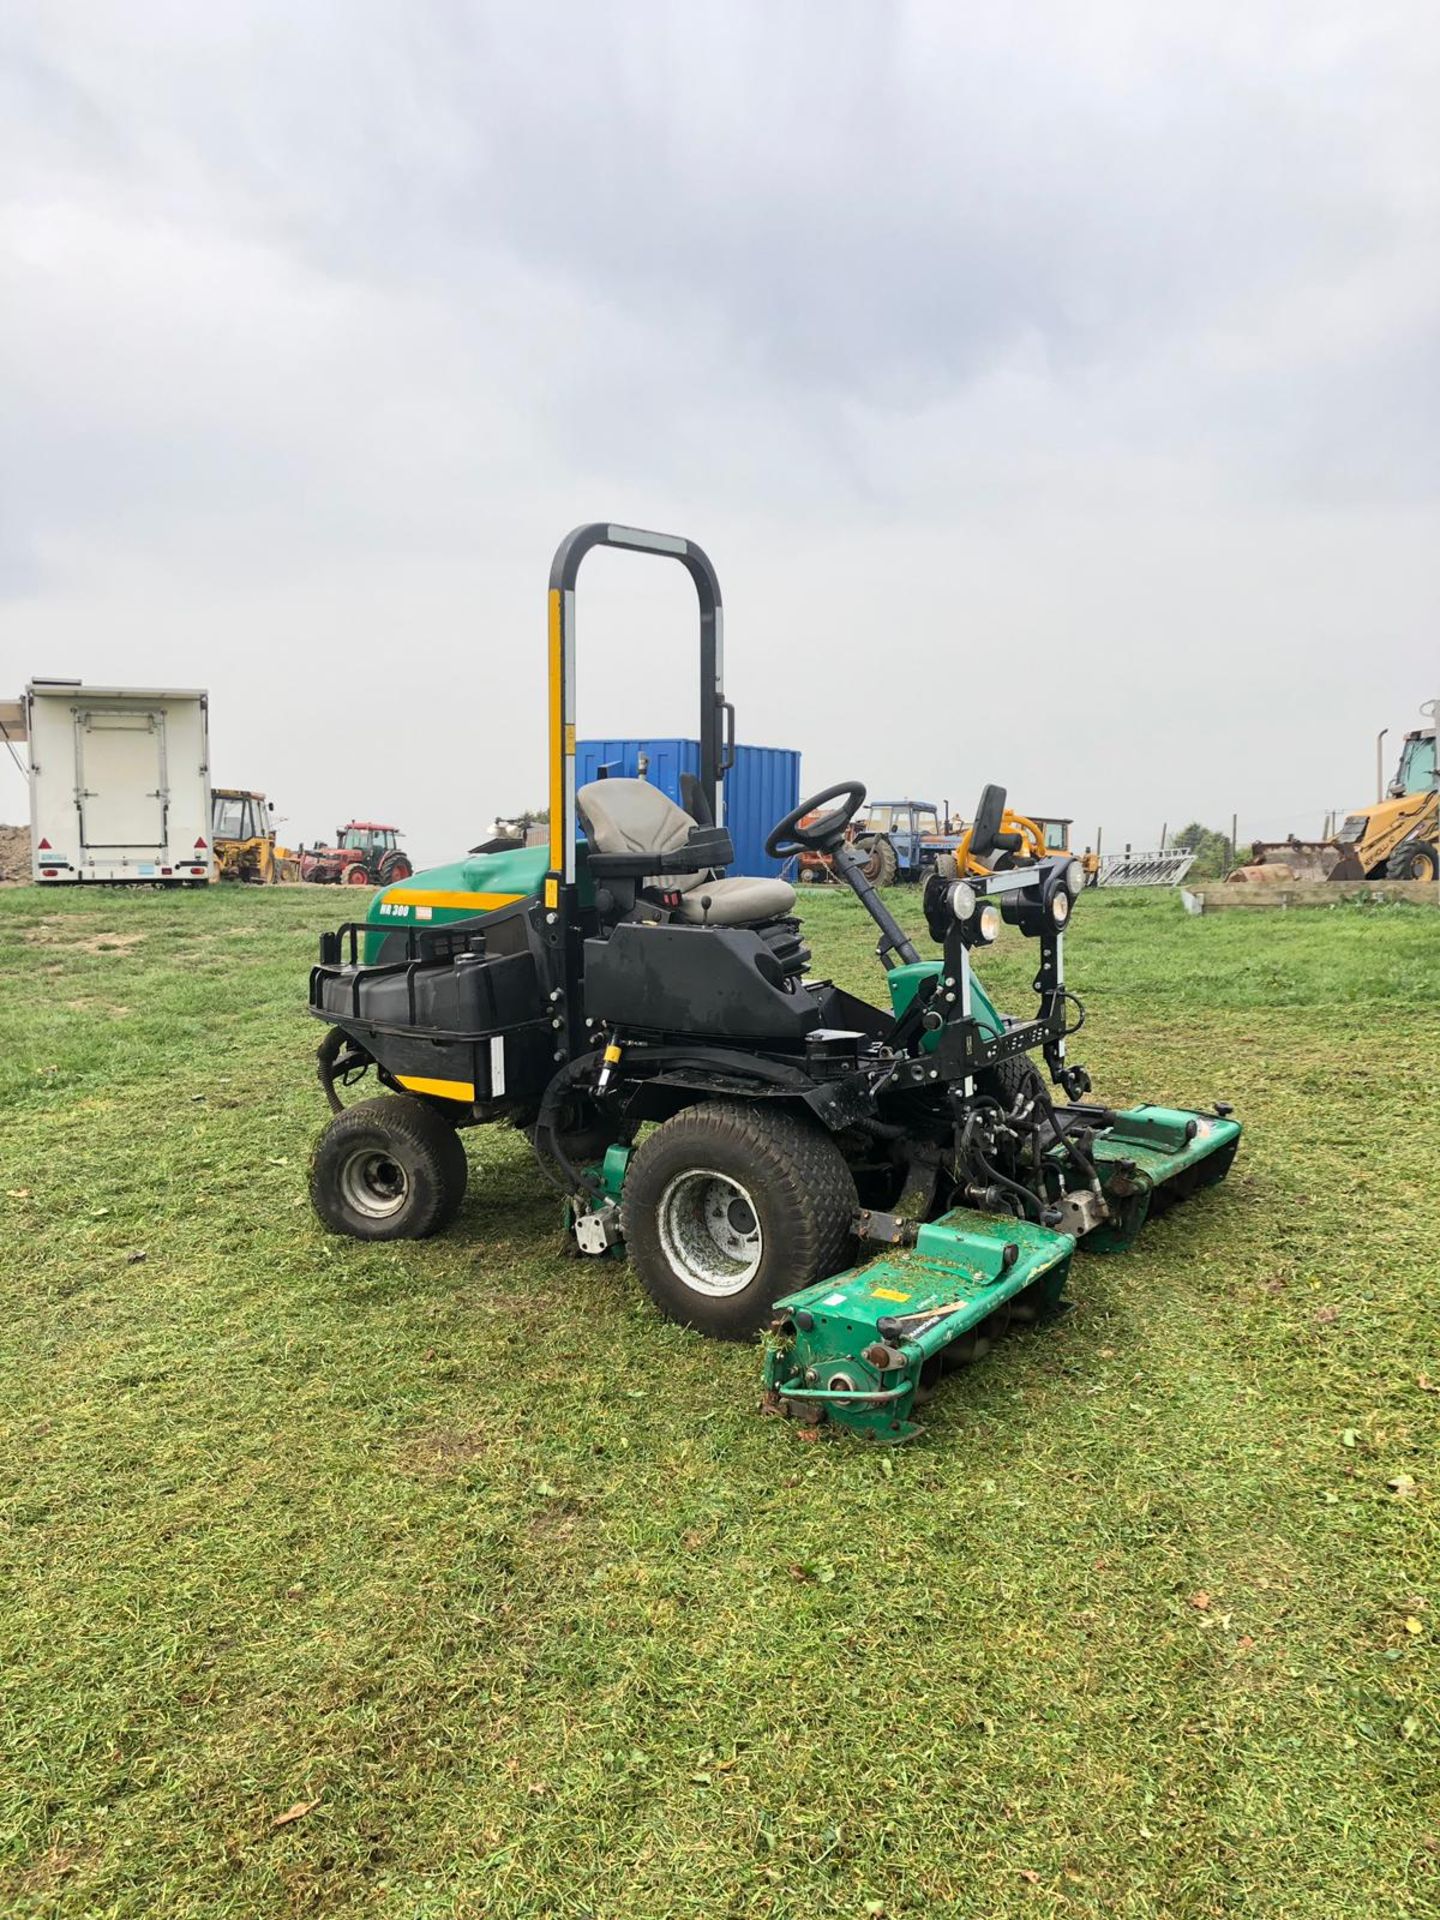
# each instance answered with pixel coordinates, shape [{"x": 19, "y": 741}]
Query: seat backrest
[{"x": 631, "y": 816}]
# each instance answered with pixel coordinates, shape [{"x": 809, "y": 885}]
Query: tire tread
[
  {"x": 803, "y": 1161},
  {"x": 428, "y": 1133}
]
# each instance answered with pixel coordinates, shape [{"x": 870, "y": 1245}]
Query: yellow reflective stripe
[
  {"x": 552, "y": 893},
  {"x": 479, "y": 902},
  {"x": 557, "y": 736},
  {"x": 447, "y": 1089}
]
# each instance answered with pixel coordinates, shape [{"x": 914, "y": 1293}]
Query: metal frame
[{"x": 717, "y": 723}]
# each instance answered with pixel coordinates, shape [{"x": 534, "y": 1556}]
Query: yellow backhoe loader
[
  {"x": 1396, "y": 838},
  {"x": 242, "y": 836}
]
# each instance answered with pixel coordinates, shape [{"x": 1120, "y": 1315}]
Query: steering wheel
[{"x": 817, "y": 836}]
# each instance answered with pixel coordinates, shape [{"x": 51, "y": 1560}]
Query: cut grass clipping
[{"x": 446, "y": 1579}]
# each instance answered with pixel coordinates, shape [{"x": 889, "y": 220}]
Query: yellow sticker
[{"x": 888, "y": 1293}]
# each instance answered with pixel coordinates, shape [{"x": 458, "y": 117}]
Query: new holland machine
[{"x": 877, "y": 1190}]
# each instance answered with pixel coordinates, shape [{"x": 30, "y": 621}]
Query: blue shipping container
[{"x": 761, "y": 788}]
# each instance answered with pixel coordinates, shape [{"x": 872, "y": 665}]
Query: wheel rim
[
  {"x": 710, "y": 1232},
  {"x": 374, "y": 1184}
]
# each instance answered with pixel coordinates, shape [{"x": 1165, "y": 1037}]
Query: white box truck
[{"x": 119, "y": 784}]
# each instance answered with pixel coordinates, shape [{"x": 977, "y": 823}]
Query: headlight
[
  {"x": 1060, "y": 907},
  {"x": 963, "y": 899},
  {"x": 1074, "y": 879},
  {"x": 987, "y": 927}
]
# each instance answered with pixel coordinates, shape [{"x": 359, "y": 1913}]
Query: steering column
[{"x": 827, "y": 835}]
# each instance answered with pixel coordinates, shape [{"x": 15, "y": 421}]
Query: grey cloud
[{"x": 1102, "y": 344}]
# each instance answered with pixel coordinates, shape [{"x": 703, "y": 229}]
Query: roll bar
[{"x": 716, "y": 738}]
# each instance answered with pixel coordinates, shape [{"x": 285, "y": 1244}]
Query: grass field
[{"x": 461, "y": 1549}]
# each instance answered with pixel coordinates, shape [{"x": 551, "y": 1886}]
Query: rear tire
[
  {"x": 1412, "y": 860},
  {"x": 391, "y": 1168},
  {"x": 730, "y": 1205},
  {"x": 881, "y": 861}
]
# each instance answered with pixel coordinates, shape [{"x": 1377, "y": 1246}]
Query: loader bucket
[{"x": 1283, "y": 863}]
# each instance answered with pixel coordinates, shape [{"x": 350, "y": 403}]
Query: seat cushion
[
  {"x": 737, "y": 902},
  {"x": 631, "y": 816}
]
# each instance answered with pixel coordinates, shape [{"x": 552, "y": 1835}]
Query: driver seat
[{"x": 631, "y": 816}]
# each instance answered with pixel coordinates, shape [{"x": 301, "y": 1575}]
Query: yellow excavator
[{"x": 1398, "y": 838}]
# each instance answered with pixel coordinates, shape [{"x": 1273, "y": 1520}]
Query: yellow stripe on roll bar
[{"x": 557, "y": 736}]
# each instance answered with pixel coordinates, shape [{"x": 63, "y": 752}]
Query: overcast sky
[{"x": 1054, "y": 387}]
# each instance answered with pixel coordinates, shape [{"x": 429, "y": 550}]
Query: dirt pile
[{"x": 14, "y": 853}]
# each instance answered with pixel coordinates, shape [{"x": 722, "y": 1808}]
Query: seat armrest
[{"x": 706, "y": 847}]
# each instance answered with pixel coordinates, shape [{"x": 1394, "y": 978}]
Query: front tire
[
  {"x": 730, "y": 1205},
  {"x": 1412, "y": 860},
  {"x": 1011, "y": 1079},
  {"x": 391, "y": 1168}
]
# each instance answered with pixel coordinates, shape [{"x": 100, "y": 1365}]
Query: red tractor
[{"x": 365, "y": 854}]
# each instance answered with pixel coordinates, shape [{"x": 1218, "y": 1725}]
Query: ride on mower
[{"x": 878, "y": 1190}]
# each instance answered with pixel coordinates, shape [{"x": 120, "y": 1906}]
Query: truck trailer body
[{"x": 119, "y": 784}]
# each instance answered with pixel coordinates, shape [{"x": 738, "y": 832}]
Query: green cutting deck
[{"x": 861, "y": 1348}]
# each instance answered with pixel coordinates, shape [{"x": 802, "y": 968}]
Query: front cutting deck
[{"x": 862, "y": 1347}]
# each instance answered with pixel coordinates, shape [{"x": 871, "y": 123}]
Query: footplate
[{"x": 858, "y": 1349}]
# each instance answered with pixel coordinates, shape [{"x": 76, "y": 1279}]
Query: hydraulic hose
[
  {"x": 969, "y": 1150},
  {"x": 575, "y": 1180}
]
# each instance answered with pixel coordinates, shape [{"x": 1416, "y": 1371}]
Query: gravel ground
[{"x": 14, "y": 853}]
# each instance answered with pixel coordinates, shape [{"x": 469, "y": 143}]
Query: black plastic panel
[{"x": 704, "y": 981}]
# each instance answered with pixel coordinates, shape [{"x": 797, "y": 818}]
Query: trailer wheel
[
  {"x": 729, "y": 1205},
  {"x": 391, "y": 1168},
  {"x": 1411, "y": 860}
]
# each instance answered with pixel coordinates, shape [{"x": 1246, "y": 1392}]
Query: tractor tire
[
  {"x": 1412, "y": 860},
  {"x": 729, "y": 1205},
  {"x": 881, "y": 864},
  {"x": 358, "y": 876},
  {"x": 391, "y": 1168},
  {"x": 947, "y": 866},
  {"x": 1009, "y": 1079}
]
